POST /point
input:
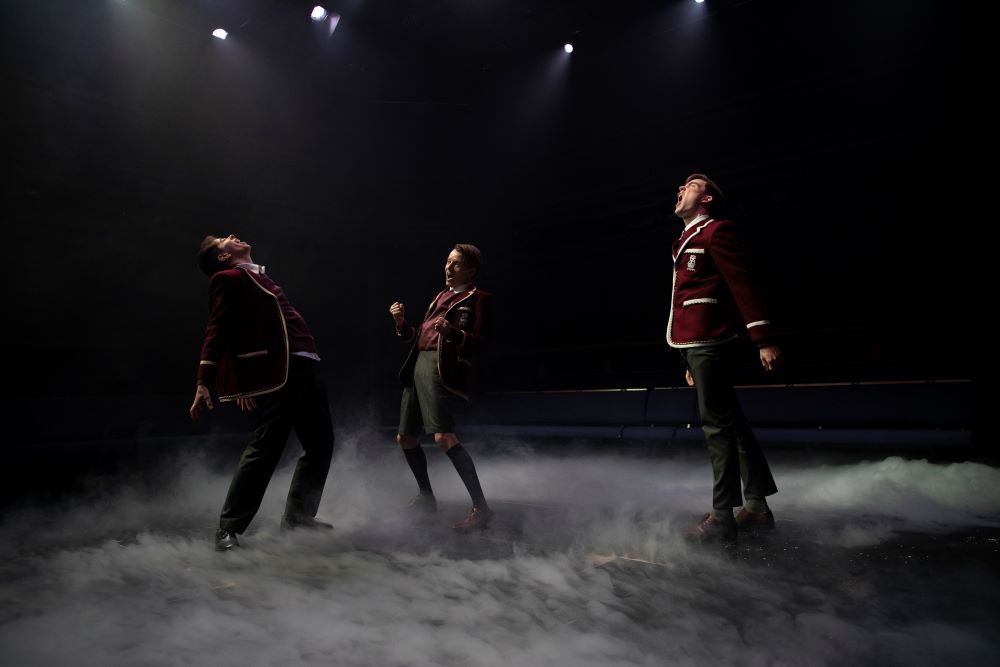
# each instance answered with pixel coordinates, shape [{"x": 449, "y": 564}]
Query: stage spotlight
[
  {"x": 568, "y": 48},
  {"x": 699, "y": 1},
  {"x": 318, "y": 13},
  {"x": 220, "y": 33}
]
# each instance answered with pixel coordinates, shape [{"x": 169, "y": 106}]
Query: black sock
[
  {"x": 418, "y": 464},
  {"x": 724, "y": 515},
  {"x": 467, "y": 471}
]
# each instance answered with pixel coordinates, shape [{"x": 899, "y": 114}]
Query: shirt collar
[
  {"x": 703, "y": 216},
  {"x": 250, "y": 266}
]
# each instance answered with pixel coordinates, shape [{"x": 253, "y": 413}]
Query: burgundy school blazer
[
  {"x": 246, "y": 342},
  {"x": 714, "y": 297},
  {"x": 471, "y": 319}
]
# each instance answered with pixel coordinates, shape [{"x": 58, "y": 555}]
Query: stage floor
[{"x": 886, "y": 561}]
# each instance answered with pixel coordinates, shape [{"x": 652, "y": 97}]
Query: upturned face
[
  {"x": 232, "y": 247},
  {"x": 690, "y": 197}
]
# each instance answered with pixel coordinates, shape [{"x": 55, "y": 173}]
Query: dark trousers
[
  {"x": 301, "y": 404},
  {"x": 732, "y": 447}
]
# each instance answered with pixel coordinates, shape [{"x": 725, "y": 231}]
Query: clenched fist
[{"x": 398, "y": 312}]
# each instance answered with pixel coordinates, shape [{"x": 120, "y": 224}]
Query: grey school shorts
[{"x": 426, "y": 406}]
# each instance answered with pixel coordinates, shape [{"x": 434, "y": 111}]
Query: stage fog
[{"x": 882, "y": 561}]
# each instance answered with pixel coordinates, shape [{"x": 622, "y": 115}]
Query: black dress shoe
[
  {"x": 304, "y": 523},
  {"x": 423, "y": 502},
  {"x": 225, "y": 540}
]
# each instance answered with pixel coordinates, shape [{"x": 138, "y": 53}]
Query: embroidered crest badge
[
  {"x": 692, "y": 259},
  {"x": 465, "y": 314}
]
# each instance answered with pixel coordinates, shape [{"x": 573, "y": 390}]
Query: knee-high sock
[
  {"x": 418, "y": 464},
  {"x": 467, "y": 471}
]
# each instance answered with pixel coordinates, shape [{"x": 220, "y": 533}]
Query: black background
[{"x": 354, "y": 161}]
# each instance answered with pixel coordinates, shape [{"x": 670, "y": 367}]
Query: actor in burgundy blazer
[
  {"x": 246, "y": 341},
  {"x": 713, "y": 299},
  {"x": 714, "y": 295},
  {"x": 259, "y": 351},
  {"x": 471, "y": 319}
]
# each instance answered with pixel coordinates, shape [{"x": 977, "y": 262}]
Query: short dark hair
[
  {"x": 471, "y": 255},
  {"x": 711, "y": 188},
  {"x": 208, "y": 256}
]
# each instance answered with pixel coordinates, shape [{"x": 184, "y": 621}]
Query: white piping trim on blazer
[
  {"x": 695, "y": 251},
  {"x": 673, "y": 289},
  {"x": 441, "y": 338},
  {"x": 206, "y": 362},
  {"x": 413, "y": 332},
  {"x": 693, "y": 234},
  {"x": 691, "y": 302},
  {"x": 430, "y": 307},
  {"x": 284, "y": 329},
  {"x": 704, "y": 343},
  {"x": 758, "y": 323}
]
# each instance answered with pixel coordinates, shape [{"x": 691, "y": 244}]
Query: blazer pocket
[
  {"x": 696, "y": 302},
  {"x": 251, "y": 355}
]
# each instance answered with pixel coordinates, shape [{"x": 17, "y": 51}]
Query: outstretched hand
[
  {"x": 770, "y": 357},
  {"x": 202, "y": 397}
]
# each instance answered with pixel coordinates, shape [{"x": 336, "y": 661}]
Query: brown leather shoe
[
  {"x": 478, "y": 518},
  {"x": 710, "y": 529},
  {"x": 751, "y": 521},
  {"x": 423, "y": 503}
]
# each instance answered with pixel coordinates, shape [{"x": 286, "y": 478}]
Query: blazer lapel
[
  {"x": 690, "y": 234},
  {"x": 468, "y": 295},
  {"x": 253, "y": 278},
  {"x": 430, "y": 308}
]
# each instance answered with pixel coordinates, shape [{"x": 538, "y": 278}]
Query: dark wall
[{"x": 353, "y": 161}]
